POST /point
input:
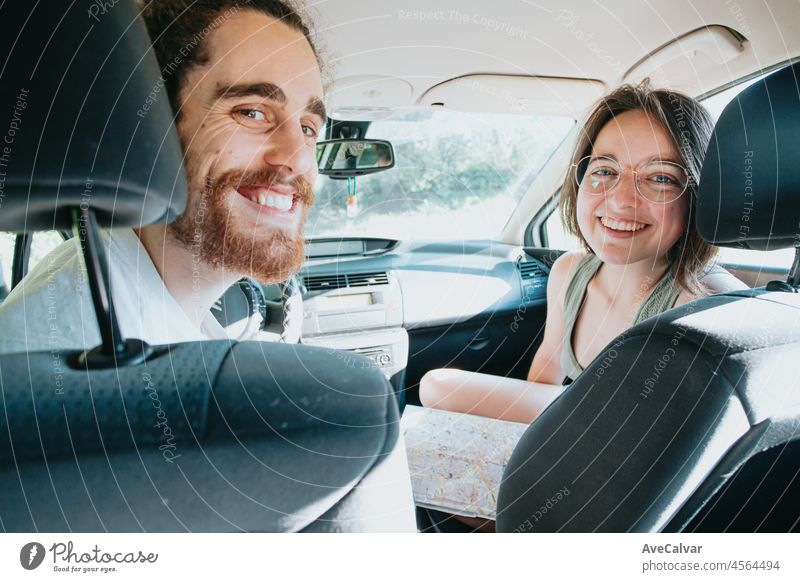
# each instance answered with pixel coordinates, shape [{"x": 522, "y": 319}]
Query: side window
[
  {"x": 557, "y": 238},
  {"x": 42, "y": 243},
  {"x": 780, "y": 259},
  {"x": 6, "y": 256}
]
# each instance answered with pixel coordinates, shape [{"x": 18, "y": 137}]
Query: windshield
[{"x": 456, "y": 176}]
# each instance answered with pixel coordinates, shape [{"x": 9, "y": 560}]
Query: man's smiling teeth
[
  {"x": 277, "y": 201},
  {"x": 621, "y": 224}
]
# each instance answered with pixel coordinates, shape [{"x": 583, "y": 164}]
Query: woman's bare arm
[
  {"x": 510, "y": 398},
  {"x": 486, "y": 395}
]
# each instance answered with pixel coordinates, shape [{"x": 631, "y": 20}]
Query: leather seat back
[{"x": 210, "y": 437}]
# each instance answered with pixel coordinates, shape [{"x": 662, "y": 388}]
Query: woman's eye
[
  {"x": 602, "y": 171},
  {"x": 664, "y": 179}
]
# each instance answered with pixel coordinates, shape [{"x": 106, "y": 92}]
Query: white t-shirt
[{"x": 52, "y": 308}]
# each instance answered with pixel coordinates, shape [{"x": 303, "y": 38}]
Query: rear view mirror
[{"x": 346, "y": 158}]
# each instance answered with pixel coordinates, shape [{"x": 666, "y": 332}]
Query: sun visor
[
  {"x": 367, "y": 97},
  {"x": 516, "y": 94}
]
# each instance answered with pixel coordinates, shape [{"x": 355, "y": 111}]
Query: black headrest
[
  {"x": 749, "y": 195},
  {"x": 84, "y": 118}
]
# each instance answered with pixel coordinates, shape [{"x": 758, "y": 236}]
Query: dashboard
[
  {"x": 437, "y": 303},
  {"x": 417, "y": 284}
]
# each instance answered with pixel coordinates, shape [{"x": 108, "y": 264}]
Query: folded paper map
[{"x": 457, "y": 460}]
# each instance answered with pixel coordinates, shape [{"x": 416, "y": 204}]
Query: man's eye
[
  {"x": 252, "y": 114},
  {"x": 309, "y": 130}
]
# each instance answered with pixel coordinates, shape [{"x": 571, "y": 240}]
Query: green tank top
[{"x": 662, "y": 297}]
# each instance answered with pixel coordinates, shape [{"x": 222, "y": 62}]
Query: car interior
[{"x": 429, "y": 246}]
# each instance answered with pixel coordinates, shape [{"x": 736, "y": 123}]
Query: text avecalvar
[{"x": 671, "y": 549}]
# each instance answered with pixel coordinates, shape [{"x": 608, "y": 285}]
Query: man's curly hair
[{"x": 179, "y": 29}]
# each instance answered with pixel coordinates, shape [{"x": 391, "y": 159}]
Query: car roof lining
[{"x": 390, "y": 58}]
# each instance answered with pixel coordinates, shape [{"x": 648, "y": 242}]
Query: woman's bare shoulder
[
  {"x": 716, "y": 280},
  {"x": 566, "y": 263},
  {"x": 560, "y": 274},
  {"x": 720, "y": 280}
]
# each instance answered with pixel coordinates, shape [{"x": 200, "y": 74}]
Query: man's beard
[{"x": 263, "y": 252}]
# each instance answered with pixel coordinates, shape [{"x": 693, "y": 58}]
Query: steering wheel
[
  {"x": 282, "y": 309},
  {"x": 250, "y": 310}
]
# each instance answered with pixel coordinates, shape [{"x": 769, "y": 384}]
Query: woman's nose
[{"x": 624, "y": 194}]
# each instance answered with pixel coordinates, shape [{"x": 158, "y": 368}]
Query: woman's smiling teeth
[{"x": 624, "y": 225}]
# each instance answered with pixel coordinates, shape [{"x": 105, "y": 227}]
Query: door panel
[{"x": 503, "y": 345}]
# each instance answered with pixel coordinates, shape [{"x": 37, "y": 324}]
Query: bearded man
[{"x": 243, "y": 79}]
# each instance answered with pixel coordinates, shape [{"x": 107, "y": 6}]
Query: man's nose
[{"x": 287, "y": 149}]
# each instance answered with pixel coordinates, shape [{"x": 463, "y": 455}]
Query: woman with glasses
[{"x": 629, "y": 197}]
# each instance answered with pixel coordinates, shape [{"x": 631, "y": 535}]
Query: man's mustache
[{"x": 264, "y": 178}]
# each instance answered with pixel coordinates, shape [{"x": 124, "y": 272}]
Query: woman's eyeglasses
[{"x": 658, "y": 181}]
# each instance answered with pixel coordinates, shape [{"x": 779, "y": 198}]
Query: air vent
[
  {"x": 329, "y": 282},
  {"x": 367, "y": 279},
  {"x": 325, "y": 282},
  {"x": 370, "y": 352},
  {"x": 530, "y": 270}
]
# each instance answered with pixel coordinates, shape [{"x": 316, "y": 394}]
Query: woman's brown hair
[{"x": 689, "y": 126}]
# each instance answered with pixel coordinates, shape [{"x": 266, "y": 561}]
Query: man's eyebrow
[
  {"x": 317, "y": 107},
  {"x": 267, "y": 91},
  {"x": 264, "y": 90}
]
